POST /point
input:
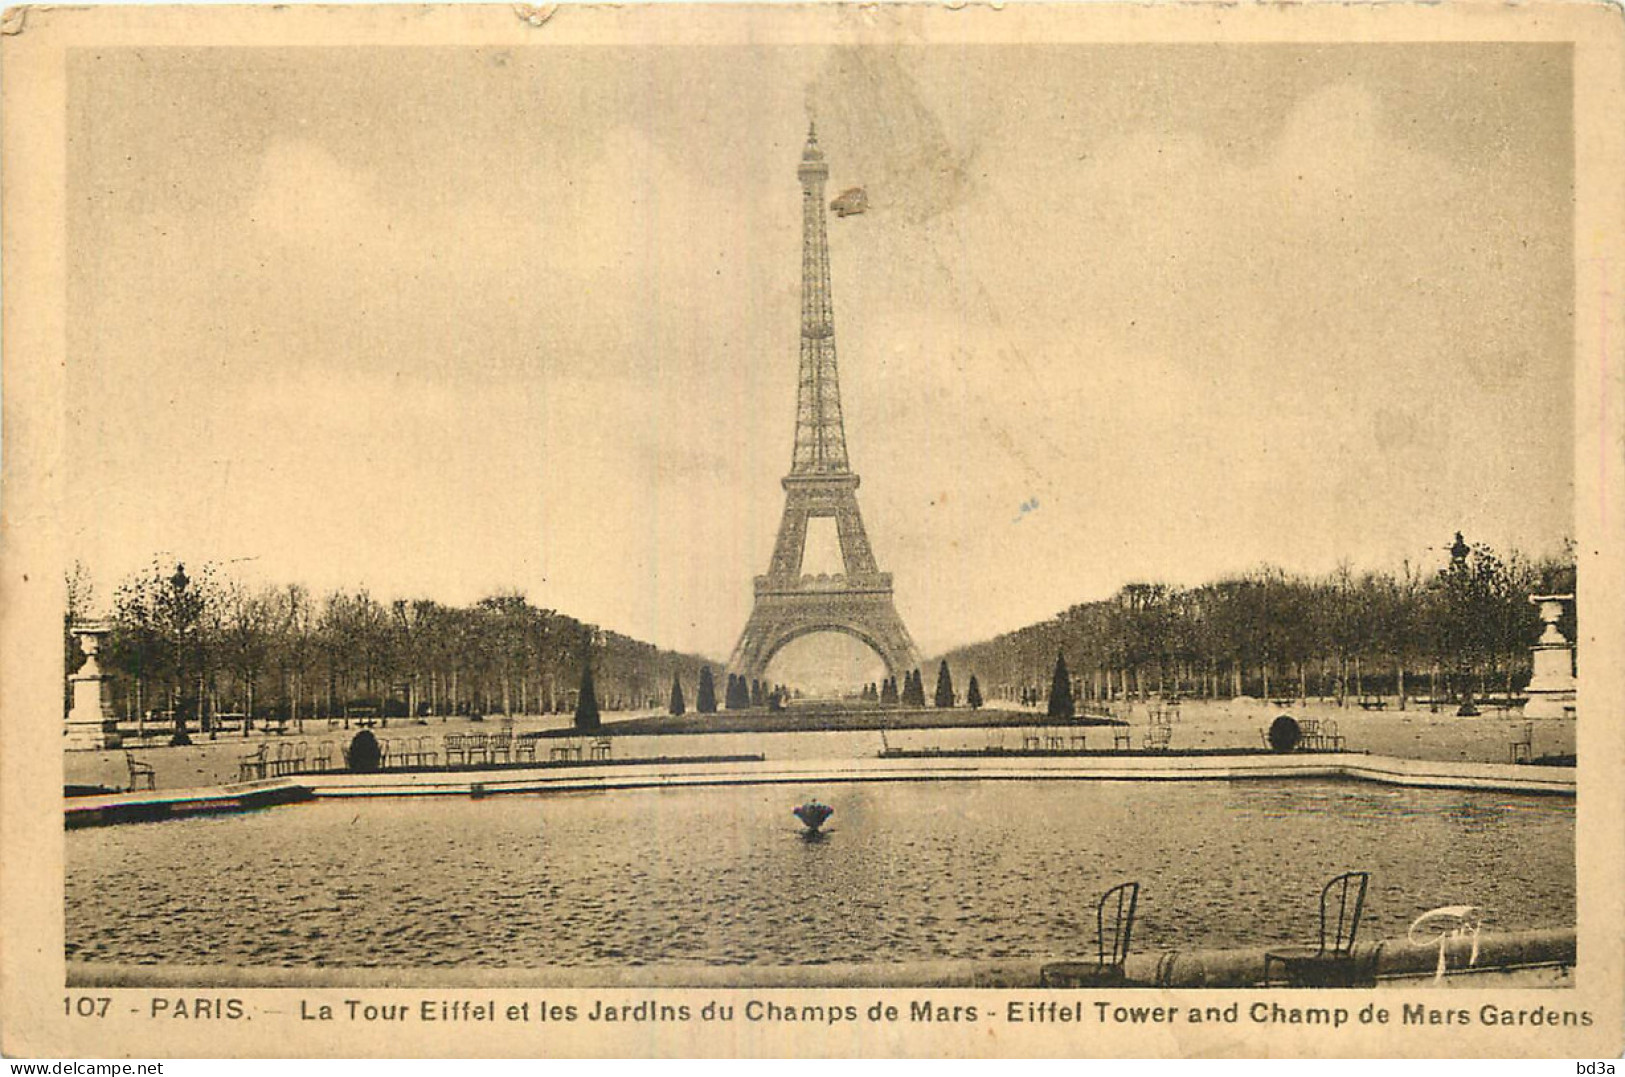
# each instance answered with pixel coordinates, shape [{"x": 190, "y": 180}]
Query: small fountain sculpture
[{"x": 813, "y": 815}]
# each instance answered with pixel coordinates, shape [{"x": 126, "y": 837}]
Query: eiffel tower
[{"x": 821, "y": 483}]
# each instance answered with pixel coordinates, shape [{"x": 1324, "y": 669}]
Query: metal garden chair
[
  {"x": 1114, "y": 929},
  {"x": 1523, "y": 750},
  {"x": 252, "y": 767},
  {"x": 1330, "y": 963},
  {"x": 140, "y": 771}
]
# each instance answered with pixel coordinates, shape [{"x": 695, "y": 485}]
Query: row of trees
[
  {"x": 912, "y": 694},
  {"x": 741, "y": 694},
  {"x": 191, "y": 643},
  {"x": 1465, "y": 628}
]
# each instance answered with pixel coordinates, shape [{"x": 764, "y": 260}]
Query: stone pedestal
[
  {"x": 91, "y": 723},
  {"x": 1551, "y": 688}
]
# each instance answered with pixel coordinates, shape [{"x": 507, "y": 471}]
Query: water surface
[{"x": 908, "y": 872}]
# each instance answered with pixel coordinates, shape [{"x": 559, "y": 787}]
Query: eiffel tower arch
[{"x": 858, "y": 600}]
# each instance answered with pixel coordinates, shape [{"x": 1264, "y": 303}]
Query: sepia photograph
[{"x": 705, "y": 523}]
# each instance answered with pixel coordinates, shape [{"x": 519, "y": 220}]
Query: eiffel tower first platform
[{"x": 857, "y": 601}]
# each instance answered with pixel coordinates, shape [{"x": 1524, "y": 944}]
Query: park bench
[
  {"x": 1373, "y": 703},
  {"x": 228, "y": 722},
  {"x": 365, "y": 717},
  {"x": 140, "y": 770}
]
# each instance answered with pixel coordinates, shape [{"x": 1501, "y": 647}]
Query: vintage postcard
[{"x": 817, "y": 530}]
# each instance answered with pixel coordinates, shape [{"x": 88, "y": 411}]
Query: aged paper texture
[{"x": 816, "y": 530}]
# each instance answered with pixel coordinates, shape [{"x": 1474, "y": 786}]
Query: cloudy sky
[{"x": 439, "y": 321}]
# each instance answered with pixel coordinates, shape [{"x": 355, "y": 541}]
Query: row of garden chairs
[
  {"x": 408, "y": 752},
  {"x": 1313, "y": 733},
  {"x": 1321, "y": 734},
  {"x": 577, "y": 747},
  {"x": 1330, "y": 962},
  {"x": 289, "y": 758},
  {"x": 469, "y": 748}
]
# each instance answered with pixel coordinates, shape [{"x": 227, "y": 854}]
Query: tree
[
  {"x": 168, "y": 615},
  {"x": 888, "y": 692},
  {"x": 292, "y": 632},
  {"x": 587, "y": 700},
  {"x": 1475, "y": 592},
  {"x": 945, "y": 686},
  {"x": 247, "y": 630},
  {"x": 677, "y": 706},
  {"x": 914, "y": 690},
  {"x": 1060, "y": 691},
  {"x": 973, "y": 693},
  {"x": 756, "y": 697},
  {"x": 705, "y": 697}
]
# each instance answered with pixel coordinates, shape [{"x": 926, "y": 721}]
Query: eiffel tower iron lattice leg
[{"x": 858, "y": 600}]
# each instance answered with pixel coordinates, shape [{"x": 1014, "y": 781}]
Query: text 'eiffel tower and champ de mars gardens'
[{"x": 1384, "y": 751}]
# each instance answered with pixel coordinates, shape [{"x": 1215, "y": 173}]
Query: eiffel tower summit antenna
[{"x": 857, "y": 601}]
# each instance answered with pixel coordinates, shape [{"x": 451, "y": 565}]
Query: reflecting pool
[{"x": 907, "y": 872}]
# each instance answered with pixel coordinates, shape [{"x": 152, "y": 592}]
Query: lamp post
[{"x": 182, "y": 612}]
